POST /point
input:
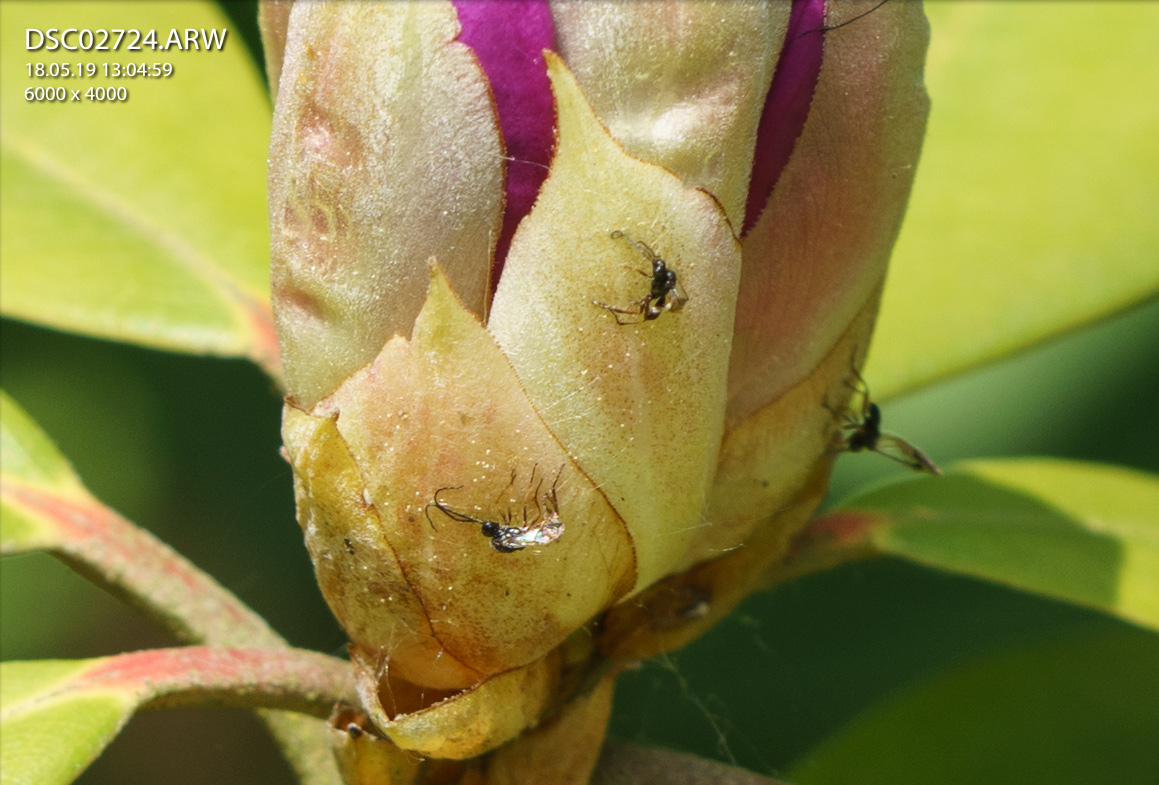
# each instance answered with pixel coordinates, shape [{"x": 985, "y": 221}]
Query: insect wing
[
  {"x": 677, "y": 297},
  {"x": 905, "y": 453},
  {"x": 545, "y": 532}
]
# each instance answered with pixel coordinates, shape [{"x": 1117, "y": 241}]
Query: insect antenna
[
  {"x": 451, "y": 513},
  {"x": 649, "y": 254}
]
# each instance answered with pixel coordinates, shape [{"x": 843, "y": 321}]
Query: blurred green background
[{"x": 188, "y": 447}]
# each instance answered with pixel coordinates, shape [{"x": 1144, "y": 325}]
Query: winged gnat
[
  {"x": 862, "y": 431},
  {"x": 540, "y": 522}
]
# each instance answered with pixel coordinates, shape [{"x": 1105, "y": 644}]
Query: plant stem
[
  {"x": 147, "y": 574},
  {"x": 208, "y": 677}
]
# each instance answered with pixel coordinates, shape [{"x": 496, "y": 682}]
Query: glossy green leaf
[
  {"x": 1081, "y": 533},
  {"x": 30, "y": 462},
  {"x": 51, "y": 733},
  {"x": 1033, "y": 208},
  {"x": 141, "y": 220},
  {"x": 1073, "y": 711}
]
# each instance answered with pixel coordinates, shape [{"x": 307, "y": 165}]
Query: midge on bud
[
  {"x": 863, "y": 432},
  {"x": 666, "y": 294},
  {"x": 541, "y": 524}
]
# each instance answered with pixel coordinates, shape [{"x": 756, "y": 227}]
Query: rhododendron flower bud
[{"x": 570, "y": 296}]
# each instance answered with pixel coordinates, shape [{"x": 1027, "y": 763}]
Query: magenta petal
[
  {"x": 508, "y": 37},
  {"x": 787, "y": 103}
]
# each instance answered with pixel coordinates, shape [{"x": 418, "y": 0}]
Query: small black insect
[
  {"x": 666, "y": 294},
  {"x": 863, "y": 432},
  {"x": 541, "y": 527}
]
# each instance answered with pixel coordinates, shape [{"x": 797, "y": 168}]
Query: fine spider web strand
[
  {"x": 722, "y": 745},
  {"x": 829, "y": 28},
  {"x": 286, "y": 470},
  {"x": 545, "y": 411},
  {"x": 703, "y": 522},
  {"x": 564, "y": 398},
  {"x": 382, "y": 669},
  {"x": 722, "y": 727},
  {"x": 523, "y": 161}
]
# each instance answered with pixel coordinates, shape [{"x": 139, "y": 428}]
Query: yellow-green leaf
[
  {"x": 1080, "y": 533},
  {"x": 50, "y": 733},
  {"x": 142, "y": 219},
  {"x": 56, "y": 716},
  {"x": 1033, "y": 208},
  {"x": 31, "y": 462},
  {"x": 44, "y": 506},
  {"x": 29, "y": 455}
]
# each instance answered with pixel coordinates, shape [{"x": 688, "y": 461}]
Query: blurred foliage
[
  {"x": 188, "y": 448},
  {"x": 149, "y": 227},
  {"x": 821, "y": 650},
  {"x": 1077, "y": 707},
  {"x": 1030, "y": 211},
  {"x": 206, "y": 476}
]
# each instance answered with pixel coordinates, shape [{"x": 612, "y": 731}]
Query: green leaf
[
  {"x": 57, "y": 716},
  {"x": 141, "y": 220},
  {"x": 1032, "y": 212},
  {"x": 31, "y": 463},
  {"x": 1072, "y": 711},
  {"x": 29, "y": 455},
  {"x": 51, "y": 733},
  {"x": 1081, "y": 533},
  {"x": 44, "y": 506}
]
